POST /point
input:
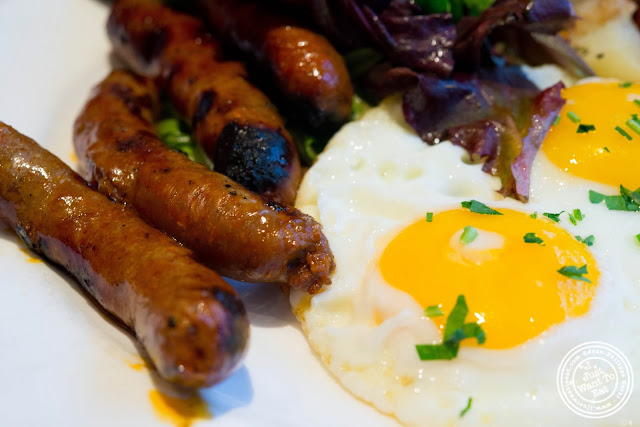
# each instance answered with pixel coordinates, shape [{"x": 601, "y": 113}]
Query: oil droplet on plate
[
  {"x": 180, "y": 411},
  {"x": 30, "y": 257},
  {"x": 137, "y": 364}
]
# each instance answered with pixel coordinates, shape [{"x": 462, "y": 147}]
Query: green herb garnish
[
  {"x": 573, "y": 117},
  {"x": 575, "y": 273},
  {"x": 467, "y": 408},
  {"x": 589, "y": 240},
  {"x": 625, "y": 85},
  {"x": 582, "y": 128},
  {"x": 638, "y": 237},
  {"x": 534, "y": 215},
  {"x": 637, "y": 102},
  {"x": 308, "y": 146},
  {"x": 358, "y": 107},
  {"x": 429, "y": 216},
  {"x": 627, "y": 200},
  {"x": 595, "y": 197},
  {"x": 176, "y": 134},
  {"x": 553, "y": 217},
  {"x": 576, "y": 216},
  {"x": 455, "y": 330},
  {"x": 457, "y": 8},
  {"x": 469, "y": 234},
  {"x": 556, "y": 120},
  {"x": 532, "y": 238},
  {"x": 607, "y": 148},
  {"x": 478, "y": 207},
  {"x": 433, "y": 311},
  {"x": 623, "y": 133},
  {"x": 634, "y": 124},
  {"x": 577, "y": 213}
]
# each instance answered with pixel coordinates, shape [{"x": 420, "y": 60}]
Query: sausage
[
  {"x": 239, "y": 234},
  {"x": 307, "y": 72},
  {"x": 236, "y": 124},
  {"x": 190, "y": 321}
]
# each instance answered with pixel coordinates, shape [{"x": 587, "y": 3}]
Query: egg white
[{"x": 375, "y": 178}]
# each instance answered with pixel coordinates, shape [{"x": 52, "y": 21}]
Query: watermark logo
[{"x": 595, "y": 380}]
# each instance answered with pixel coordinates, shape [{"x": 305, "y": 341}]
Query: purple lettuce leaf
[
  {"x": 491, "y": 116},
  {"x": 519, "y": 32}
]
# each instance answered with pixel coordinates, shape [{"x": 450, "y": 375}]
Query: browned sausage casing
[
  {"x": 190, "y": 321},
  {"x": 235, "y": 123},
  {"x": 233, "y": 230},
  {"x": 303, "y": 66}
]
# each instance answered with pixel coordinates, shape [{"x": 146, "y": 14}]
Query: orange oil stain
[
  {"x": 179, "y": 411},
  {"x": 137, "y": 365},
  {"x": 30, "y": 258}
]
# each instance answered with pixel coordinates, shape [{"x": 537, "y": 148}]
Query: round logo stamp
[{"x": 595, "y": 380}]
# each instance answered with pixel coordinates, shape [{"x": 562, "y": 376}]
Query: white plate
[{"x": 61, "y": 362}]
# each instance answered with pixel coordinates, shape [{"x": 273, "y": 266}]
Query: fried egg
[
  {"x": 607, "y": 38},
  {"x": 392, "y": 209}
]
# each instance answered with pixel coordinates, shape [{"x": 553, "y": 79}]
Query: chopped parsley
[
  {"x": 638, "y": 237},
  {"x": 532, "y": 238},
  {"x": 625, "y": 85},
  {"x": 576, "y": 216},
  {"x": 575, "y": 273},
  {"x": 623, "y": 133},
  {"x": 469, "y": 234},
  {"x": 607, "y": 148},
  {"x": 577, "y": 213},
  {"x": 467, "y": 408},
  {"x": 556, "y": 121},
  {"x": 595, "y": 197},
  {"x": 455, "y": 330},
  {"x": 429, "y": 216},
  {"x": 433, "y": 311},
  {"x": 582, "y": 128},
  {"x": 534, "y": 215},
  {"x": 478, "y": 207},
  {"x": 628, "y": 200},
  {"x": 573, "y": 117},
  {"x": 589, "y": 240},
  {"x": 553, "y": 217},
  {"x": 637, "y": 102}
]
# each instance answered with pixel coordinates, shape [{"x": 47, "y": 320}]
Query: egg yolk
[
  {"x": 603, "y": 154},
  {"x": 513, "y": 289}
]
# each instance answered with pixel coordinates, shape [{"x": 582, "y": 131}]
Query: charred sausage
[
  {"x": 236, "y": 232},
  {"x": 307, "y": 72},
  {"x": 189, "y": 320},
  {"x": 235, "y": 123}
]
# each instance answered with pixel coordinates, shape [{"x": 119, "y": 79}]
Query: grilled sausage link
[
  {"x": 233, "y": 230},
  {"x": 307, "y": 72},
  {"x": 190, "y": 321},
  {"x": 235, "y": 123}
]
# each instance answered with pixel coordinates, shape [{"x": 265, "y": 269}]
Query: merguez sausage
[
  {"x": 307, "y": 72},
  {"x": 231, "y": 229},
  {"x": 235, "y": 123},
  {"x": 190, "y": 321}
]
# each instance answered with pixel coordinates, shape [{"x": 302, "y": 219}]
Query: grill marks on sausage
[
  {"x": 133, "y": 103},
  {"x": 205, "y": 103},
  {"x": 257, "y": 158},
  {"x": 175, "y": 49},
  {"x": 139, "y": 141}
]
